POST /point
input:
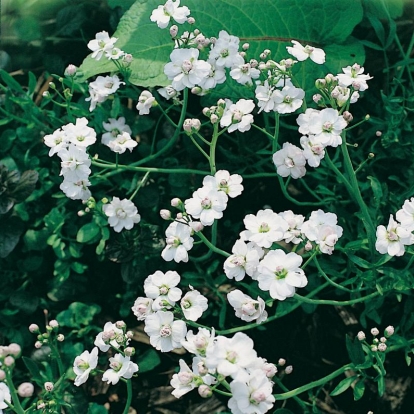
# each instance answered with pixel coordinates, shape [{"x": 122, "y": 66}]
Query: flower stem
[
  {"x": 18, "y": 409},
  {"x": 335, "y": 302},
  {"x": 141, "y": 183},
  {"x": 129, "y": 397},
  {"x": 213, "y": 149},
  {"x": 211, "y": 246}
]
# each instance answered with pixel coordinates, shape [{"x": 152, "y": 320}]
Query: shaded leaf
[
  {"x": 10, "y": 232},
  {"x": 359, "y": 390},
  {"x": 355, "y": 351},
  {"x": 88, "y": 233},
  {"x": 343, "y": 386},
  {"x": 148, "y": 361}
]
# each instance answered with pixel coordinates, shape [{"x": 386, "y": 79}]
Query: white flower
[
  {"x": 121, "y": 214},
  {"x": 108, "y": 337},
  {"x": 75, "y": 163},
  {"x": 290, "y": 161},
  {"x": 164, "y": 285},
  {"x": 145, "y": 102},
  {"x": 76, "y": 190},
  {"x": 142, "y": 308},
  {"x": 193, "y": 304},
  {"x": 80, "y": 134},
  {"x": 162, "y": 14},
  {"x": 185, "y": 70},
  {"x": 238, "y": 116},
  {"x": 114, "y": 128},
  {"x": 303, "y": 120},
  {"x": 120, "y": 366},
  {"x": 246, "y": 308},
  {"x": 223, "y": 181},
  {"x": 341, "y": 95},
  {"x": 225, "y": 50},
  {"x": 392, "y": 239},
  {"x": 288, "y": 100},
  {"x": 206, "y": 205},
  {"x": 115, "y": 53},
  {"x": 232, "y": 356},
  {"x": 353, "y": 75},
  {"x": 84, "y": 364},
  {"x": 102, "y": 43},
  {"x": 406, "y": 214},
  {"x": 179, "y": 242},
  {"x": 216, "y": 76},
  {"x": 322, "y": 229},
  {"x": 243, "y": 73},
  {"x": 168, "y": 92},
  {"x": 56, "y": 141},
  {"x": 198, "y": 344},
  {"x": 327, "y": 125},
  {"x": 122, "y": 142},
  {"x": 295, "y": 221},
  {"x": 4, "y": 396},
  {"x": 280, "y": 274},
  {"x": 303, "y": 52},
  {"x": 245, "y": 259},
  {"x": 101, "y": 88},
  {"x": 265, "y": 228},
  {"x": 165, "y": 333},
  {"x": 253, "y": 395},
  {"x": 313, "y": 150},
  {"x": 265, "y": 96}
]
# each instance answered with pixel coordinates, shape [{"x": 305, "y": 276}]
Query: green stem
[
  {"x": 213, "y": 149},
  {"x": 211, "y": 246},
  {"x": 199, "y": 147},
  {"x": 58, "y": 359},
  {"x": 297, "y": 399},
  {"x": 129, "y": 397},
  {"x": 283, "y": 187},
  {"x": 18, "y": 409},
  {"x": 335, "y": 302},
  {"x": 141, "y": 183},
  {"x": 313, "y": 384}
]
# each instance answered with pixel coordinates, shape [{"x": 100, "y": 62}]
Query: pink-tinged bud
[
  {"x": 25, "y": 390},
  {"x": 191, "y": 20},
  {"x": 375, "y": 340},
  {"x": 382, "y": 347},
  {"x": 242, "y": 54},
  {"x": 180, "y": 216},
  {"x": 389, "y": 331},
  {"x": 49, "y": 386},
  {"x": 38, "y": 344},
  {"x": 176, "y": 202},
  {"x": 266, "y": 52},
  {"x": 374, "y": 331},
  {"x": 263, "y": 56},
  {"x": 54, "y": 323},
  {"x": 361, "y": 336},
  {"x": 202, "y": 369},
  {"x": 262, "y": 66},
  {"x": 374, "y": 348},
  {"x": 214, "y": 119},
  {"x": 270, "y": 370},
  {"x": 81, "y": 213},
  {"x": 320, "y": 83},
  {"x": 258, "y": 396},
  {"x": 9, "y": 361},
  {"x": 130, "y": 351},
  {"x": 347, "y": 116},
  {"x": 128, "y": 58},
  {"x": 245, "y": 46},
  {"x": 383, "y": 339},
  {"x": 187, "y": 125},
  {"x": 289, "y": 63},
  {"x": 70, "y": 70},
  {"x": 289, "y": 369},
  {"x": 308, "y": 246},
  {"x": 378, "y": 133},
  {"x": 330, "y": 78},
  {"x": 33, "y": 328},
  {"x": 195, "y": 124},
  {"x": 196, "y": 32},
  {"x": 206, "y": 111},
  {"x": 174, "y": 30},
  {"x": 2, "y": 375},
  {"x": 205, "y": 391},
  {"x": 356, "y": 85},
  {"x": 196, "y": 90},
  {"x": 41, "y": 405},
  {"x": 60, "y": 338},
  {"x": 165, "y": 214},
  {"x": 15, "y": 349},
  {"x": 129, "y": 334},
  {"x": 317, "y": 97},
  {"x": 196, "y": 226},
  {"x": 281, "y": 362}
]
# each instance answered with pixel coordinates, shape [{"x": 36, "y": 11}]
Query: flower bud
[
  {"x": 46, "y": 94},
  {"x": 196, "y": 226},
  {"x": 389, "y": 331},
  {"x": 41, "y": 405},
  {"x": 128, "y": 58},
  {"x": 129, "y": 334},
  {"x": 378, "y": 133},
  {"x": 329, "y": 78},
  {"x": 196, "y": 90},
  {"x": 281, "y": 362},
  {"x": 176, "y": 202},
  {"x": 2, "y": 375},
  {"x": 165, "y": 214},
  {"x": 317, "y": 97},
  {"x": 245, "y": 46},
  {"x": 320, "y": 83},
  {"x": 33, "y": 328},
  {"x": 270, "y": 370},
  {"x": 9, "y": 361},
  {"x": 60, "y": 338},
  {"x": 130, "y": 351},
  {"x": 206, "y": 111},
  {"x": 263, "y": 56},
  {"x": 25, "y": 390},
  {"x": 347, "y": 116},
  {"x": 374, "y": 331},
  {"x": 382, "y": 347},
  {"x": 205, "y": 391},
  {"x": 174, "y": 30},
  {"x": 180, "y": 216},
  {"x": 308, "y": 246},
  {"x": 191, "y": 20},
  {"x": 214, "y": 119},
  {"x": 361, "y": 336},
  {"x": 374, "y": 348},
  {"x": 49, "y": 386},
  {"x": 52, "y": 85},
  {"x": 383, "y": 339},
  {"x": 38, "y": 344},
  {"x": 242, "y": 54},
  {"x": 289, "y": 369},
  {"x": 15, "y": 349}
]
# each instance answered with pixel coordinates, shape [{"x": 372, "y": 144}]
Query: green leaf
[
  {"x": 34, "y": 370},
  {"x": 10, "y": 232},
  {"x": 355, "y": 351},
  {"x": 377, "y": 190},
  {"x": 148, "y": 361},
  {"x": 343, "y": 386},
  {"x": 381, "y": 385},
  {"x": 359, "y": 390},
  {"x": 88, "y": 233},
  {"x": 360, "y": 262},
  {"x": 10, "y": 81},
  {"x": 78, "y": 314},
  {"x": 25, "y": 186},
  {"x": 266, "y": 24},
  {"x": 96, "y": 409}
]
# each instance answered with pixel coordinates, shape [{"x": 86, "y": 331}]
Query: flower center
[
  {"x": 186, "y": 304},
  {"x": 115, "y": 365},
  {"x": 185, "y": 377},
  {"x": 280, "y": 272},
  {"x": 115, "y": 132},
  {"x": 308, "y": 49},
  {"x": 121, "y": 213},
  {"x": 392, "y": 236},
  {"x": 82, "y": 364},
  {"x": 248, "y": 308},
  {"x": 80, "y": 138},
  {"x": 287, "y": 99},
  {"x": 224, "y": 53},
  {"x": 327, "y": 126},
  {"x": 238, "y": 261},
  {"x": 231, "y": 357},
  {"x": 109, "y": 85},
  {"x": 164, "y": 290},
  {"x": 245, "y": 68},
  {"x": 206, "y": 203},
  {"x": 264, "y": 228},
  {"x": 289, "y": 162},
  {"x": 257, "y": 397},
  {"x": 165, "y": 331},
  {"x": 187, "y": 66}
]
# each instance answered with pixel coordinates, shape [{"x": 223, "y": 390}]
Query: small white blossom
[
  {"x": 243, "y": 73},
  {"x": 223, "y": 181},
  {"x": 392, "y": 239},
  {"x": 142, "y": 308},
  {"x": 80, "y": 134},
  {"x": 108, "y": 337},
  {"x": 178, "y": 243},
  {"x": 313, "y": 150},
  {"x": 295, "y": 221},
  {"x": 102, "y": 43},
  {"x": 246, "y": 308},
  {"x": 75, "y": 163},
  {"x": 193, "y": 304},
  {"x": 303, "y": 52},
  {"x": 406, "y": 214},
  {"x": 164, "y": 285},
  {"x": 122, "y": 142},
  {"x": 225, "y": 50},
  {"x": 353, "y": 75},
  {"x": 288, "y": 100},
  {"x": 76, "y": 190},
  {"x": 121, "y": 214},
  {"x": 238, "y": 116},
  {"x": 4, "y": 396},
  {"x": 84, "y": 364},
  {"x": 56, "y": 141},
  {"x": 145, "y": 102},
  {"x": 114, "y": 128},
  {"x": 290, "y": 161},
  {"x": 163, "y": 13},
  {"x": 120, "y": 366},
  {"x": 327, "y": 125},
  {"x": 198, "y": 344}
]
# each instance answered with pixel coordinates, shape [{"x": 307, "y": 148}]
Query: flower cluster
[
  {"x": 399, "y": 233},
  {"x": 377, "y": 344},
  {"x": 162, "y": 294},
  {"x": 118, "y": 135},
  {"x": 113, "y": 336}
]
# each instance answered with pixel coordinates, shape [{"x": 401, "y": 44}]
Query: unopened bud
[
  {"x": 320, "y": 83},
  {"x": 263, "y": 56},
  {"x": 46, "y": 94},
  {"x": 289, "y": 369},
  {"x": 329, "y": 78},
  {"x": 2, "y": 375},
  {"x": 308, "y": 246},
  {"x": 15, "y": 349},
  {"x": 374, "y": 348},
  {"x": 49, "y": 386},
  {"x": 389, "y": 331},
  {"x": 214, "y": 118},
  {"x": 361, "y": 336},
  {"x": 281, "y": 362},
  {"x": 54, "y": 323},
  {"x": 130, "y": 351},
  {"x": 347, "y": 116},
  {"x": 33, "y": 328},
  {"x": 60, "y": 338},
  {"x": 196, "y": 90},
  {"x": 176, "y": 202},
  {"x": 374, "y": 331},
  {"x": 179, "y": 216},
  {"x": 25, "y": 390},
  {"x": 317, "y": 97},
  {"x": 165, "y": 214},
  {"x": 70, "y": 70},
  {"x": 245, "y": 46},
  {"x": 120, "y": 324},
  {"x": 38, "y": 344},
  {"x": 129, "y": 334},
  {"x": 128, "y": 58},
  {"x": 242, "y": 54},
  {"x": 52, "y": 85},
  {"x": 196, "y": 226},
  {"x": 9, "y": 361},
  {"x": 205, "y": 391},
  {"x": 382, "y": 347},
  {"x": 41, "y": 405},
  {"x": 173, "y": 30},
  {"x": 371, "y": 155},
  {"x": 191, "y": 20}
]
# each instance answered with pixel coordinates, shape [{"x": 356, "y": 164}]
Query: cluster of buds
[
  {"x": 195, "y": 38},
  {"x": 378, "y": 344},
  {"x": 45, "y": 337},
  {"x": 90, "y": 204},
  {"x": 181, "y": 216},
  {"x": 191, "y": 126},
  {"x": 215, "y": 112}
]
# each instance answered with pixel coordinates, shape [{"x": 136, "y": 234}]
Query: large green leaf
[{"x": 264, "y": 24}]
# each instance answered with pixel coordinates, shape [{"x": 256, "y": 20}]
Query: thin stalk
[
  {"x": 211, "y": 246},
  {"x": 199, "y": 147},
  {"x": 129, "y": 397},
  {"x": 297, "y": 399},
  {"x": 335, "y": 302},
  {"x": 18, "y": 409},
  {"x": 213, "y": 149},
  {"x": 141, "y": 183}
]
